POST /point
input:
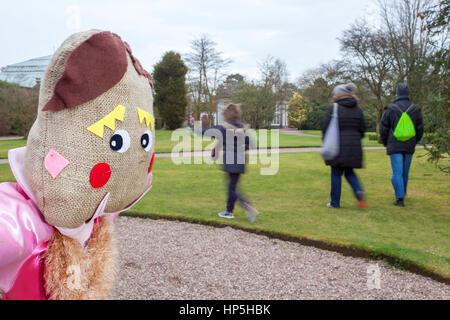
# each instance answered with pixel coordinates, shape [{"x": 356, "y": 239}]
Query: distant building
[
  {"x": 280, "y": 120},
  {"x": 26, "y": 74}
]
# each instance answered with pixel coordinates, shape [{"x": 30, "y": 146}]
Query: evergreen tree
[
  {"x": 170, "y": 87},
  {"x": 437, "y": 120}
]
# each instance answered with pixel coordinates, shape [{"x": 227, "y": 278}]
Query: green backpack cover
[{"x": 405, "y": 129}]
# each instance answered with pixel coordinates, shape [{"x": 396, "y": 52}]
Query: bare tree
[
  {"x": 274, "y": 74},
  {"x": 403, "y": 25},
  {"x": 206, "y": 70},
  {"x": 396, "y": 51},
  {"x": 369, "y": 59},
  {"x": 274, "y": 77},
  {"x": 317, "y": 84}
]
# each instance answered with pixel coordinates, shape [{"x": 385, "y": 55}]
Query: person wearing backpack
[
  {"x": 401, "y": 128},
  {"x": 352, "y": 126}
]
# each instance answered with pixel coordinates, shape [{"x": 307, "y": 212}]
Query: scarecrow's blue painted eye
[
  {"x": 120, "y": 141},
  {"x": 147, "y": 140}
]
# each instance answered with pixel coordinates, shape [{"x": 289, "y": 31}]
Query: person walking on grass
[
  {"x": 401, "y": 128},
  {"x": 351, "y": 130},
  {"x": 232, "y": 137}
]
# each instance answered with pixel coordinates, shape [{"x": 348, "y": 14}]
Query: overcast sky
[{"x": 303, "y": 33}]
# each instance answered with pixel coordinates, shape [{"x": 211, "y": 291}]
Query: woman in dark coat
[
  {"x": 233, "y": 138},
  {"x": 351, "y": 130}
]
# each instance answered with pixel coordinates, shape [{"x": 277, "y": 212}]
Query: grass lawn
[
  {"x": 5, "y": 145},
  {"x": 292, "y": 203},
  {"x": 316, "y": 132},
  {"x": 164, "y": 143}
]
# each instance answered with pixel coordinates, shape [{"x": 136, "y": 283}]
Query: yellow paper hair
[
  {"x": 108, "y": 121},
  {"x": 144, "y": 115}
]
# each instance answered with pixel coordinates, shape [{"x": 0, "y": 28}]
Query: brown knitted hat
[{"x": 94, "y": 132}]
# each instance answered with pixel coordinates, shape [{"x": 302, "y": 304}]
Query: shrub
[
  {"x": 297, "y": 111},
  {"x": 315, "y": 116},
  {"x": 4, "y": 125},
  {"x": 18, "y": 108}
]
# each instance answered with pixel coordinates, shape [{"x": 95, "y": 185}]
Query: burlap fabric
[{"x": 69, "y": 199}]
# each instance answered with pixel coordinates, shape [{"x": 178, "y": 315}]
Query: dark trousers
[
  {"x": 336, "y": 182},
  {"x": 233, "y": 195}
]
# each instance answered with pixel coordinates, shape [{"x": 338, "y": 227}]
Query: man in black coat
[
  {"x": 351, "y": 130},
  {"x": 400, "y": 152}
]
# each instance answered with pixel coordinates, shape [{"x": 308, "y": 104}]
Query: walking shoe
[
  {"x": 362, "y": 202},
  {"x": 250, "y": 211},
  {"x": 226, "y": 215},
  {"x": 330, "y": 206},
  {"x": 399, "y": 203}
]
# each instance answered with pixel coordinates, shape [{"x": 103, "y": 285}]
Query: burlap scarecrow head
[{"x": 94, "y": 131}]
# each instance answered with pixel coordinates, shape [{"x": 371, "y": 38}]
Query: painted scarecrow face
[{"x": 95, "y": 130}]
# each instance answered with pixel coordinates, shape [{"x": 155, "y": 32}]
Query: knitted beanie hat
[
  {"x": 94, "y": 131},
  {"x": 402, "y": 90},
  {"x": 348, "y": 88}
]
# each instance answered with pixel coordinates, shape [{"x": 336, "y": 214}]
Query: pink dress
[{"x": 24, "y": 235}]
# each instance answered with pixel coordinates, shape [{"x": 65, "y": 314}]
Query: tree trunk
[{"x": 379, "y": 117}]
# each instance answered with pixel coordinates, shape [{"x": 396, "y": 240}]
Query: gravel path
[{"x": 162, "y": 259}]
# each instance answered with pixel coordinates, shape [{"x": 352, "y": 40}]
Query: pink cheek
[
  {"x": 151, "y": 163},
  {"x": 100, "y": 175}
]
